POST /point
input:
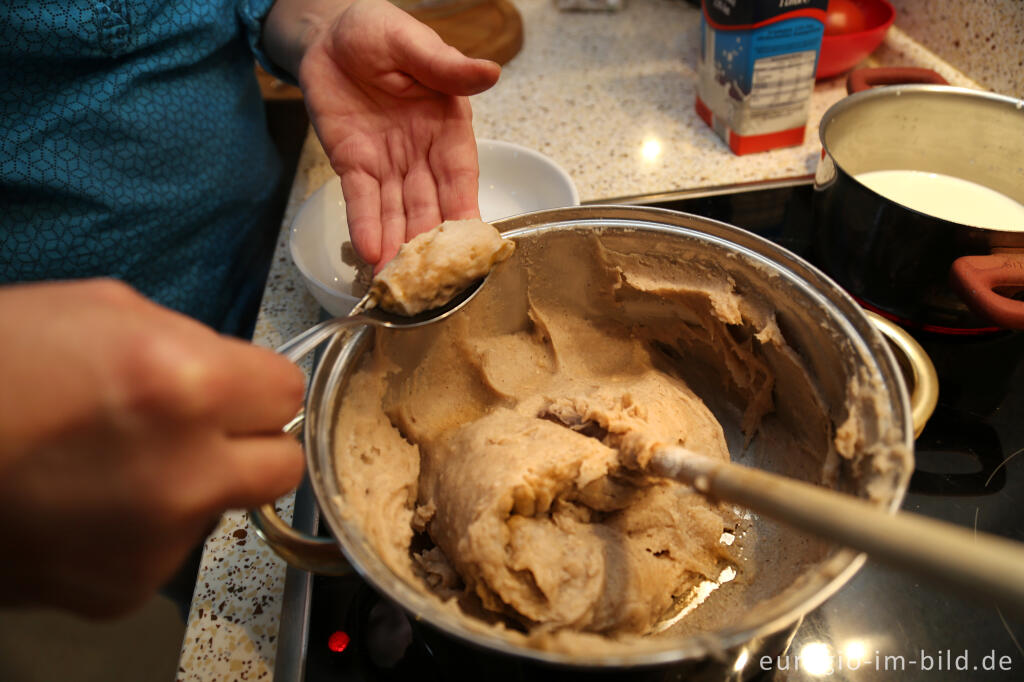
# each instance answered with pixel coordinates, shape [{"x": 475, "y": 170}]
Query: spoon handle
[
  {"x": 296, "y": 347},
  {"x": 978, "y": 564}
]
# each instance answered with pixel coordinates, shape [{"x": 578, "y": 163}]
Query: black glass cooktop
[{"x": 883, "y": 625}]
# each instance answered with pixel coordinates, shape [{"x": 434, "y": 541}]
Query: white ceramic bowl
[
  {"x": 513, "y": 180},
  {"x": 516, "y": 179}
]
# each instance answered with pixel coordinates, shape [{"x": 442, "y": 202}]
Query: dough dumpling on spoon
[
  {"x": 433, "y": 267},
  {"x": 431, "y": 277}
]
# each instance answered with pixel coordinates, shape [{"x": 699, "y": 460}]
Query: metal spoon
[{"x": 298, "y": 346}]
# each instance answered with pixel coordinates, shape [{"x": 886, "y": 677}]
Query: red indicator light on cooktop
[{"x": 338, "y": 641}]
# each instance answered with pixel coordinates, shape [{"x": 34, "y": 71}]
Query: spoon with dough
[{"x": 432, "y": 276}]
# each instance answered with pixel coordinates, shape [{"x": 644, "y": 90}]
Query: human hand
[
  {"x": 388, "y": 99},
  {"x": 125, "y": 430}
]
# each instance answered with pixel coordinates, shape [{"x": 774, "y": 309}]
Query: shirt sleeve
[{"x": 252, "y": 14}]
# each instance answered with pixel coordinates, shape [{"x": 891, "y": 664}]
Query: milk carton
[{"x": 756, "y": 69}]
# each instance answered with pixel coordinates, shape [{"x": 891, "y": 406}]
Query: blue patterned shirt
[{"x": 133, "y": 144}]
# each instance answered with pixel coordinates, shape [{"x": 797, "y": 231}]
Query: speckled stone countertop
[{"x": 588, "y": 90}]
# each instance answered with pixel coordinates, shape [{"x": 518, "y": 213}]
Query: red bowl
[{"x": 840, "y": 53}]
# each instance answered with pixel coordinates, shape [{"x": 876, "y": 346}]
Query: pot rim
[
  {"x": 821, "y": 582},
  {"x": 865, "y": 97},
  {"x": 926, "y": 89}
]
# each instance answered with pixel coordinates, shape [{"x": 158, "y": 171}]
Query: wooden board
[{"x": 491, "y": 29}]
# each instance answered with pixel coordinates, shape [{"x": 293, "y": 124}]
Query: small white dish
[
  {"x": 516, "y": 179},
  {"x": 513, "y": 180}
]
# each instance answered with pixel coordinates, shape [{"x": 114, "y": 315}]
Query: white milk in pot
[{"x": 947, "y": 197}]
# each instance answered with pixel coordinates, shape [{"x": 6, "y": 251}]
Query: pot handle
[
  {"x": 300, "y": 550},
  {"x": 976, "y": 279},
  {"x": 864, "y": 79},
  {"x": 924, "y": 394}
]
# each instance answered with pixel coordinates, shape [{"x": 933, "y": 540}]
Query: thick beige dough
[
  {"x": 514, "y": 436},
  {"x": 434, "y": 266}
]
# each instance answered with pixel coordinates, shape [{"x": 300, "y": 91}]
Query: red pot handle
[
  {"x": 863, "y": 79},
  {"x": 976, "y": 278}
]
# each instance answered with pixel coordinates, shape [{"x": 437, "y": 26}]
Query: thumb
[{"x": 441, "y": 67}]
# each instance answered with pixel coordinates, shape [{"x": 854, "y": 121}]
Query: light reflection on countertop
[{"x": 650, "y": 149}]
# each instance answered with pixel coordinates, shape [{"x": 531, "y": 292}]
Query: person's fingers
[
  {"x": 259, "y": 470},
  {"x": 262, "y": 392},
  {"x": 451, "y": 72},
  {"x": 421, "y": 202},
  {"x": 392, "y": 219},
  {"x": 363, "y": 211},
  {"x": 453, "y": 161},
  {"x": 421, "y": 53},
  {"x": 195, "y": 374}
]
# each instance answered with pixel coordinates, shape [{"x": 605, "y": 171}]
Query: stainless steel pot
[
  {"x": 836, "y": 341},
  {"x": 923, "y": 271}
]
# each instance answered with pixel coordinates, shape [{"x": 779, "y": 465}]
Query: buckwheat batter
[
  {"x": 433, "y": 267},
  {"x": 515, "y": 435}
]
